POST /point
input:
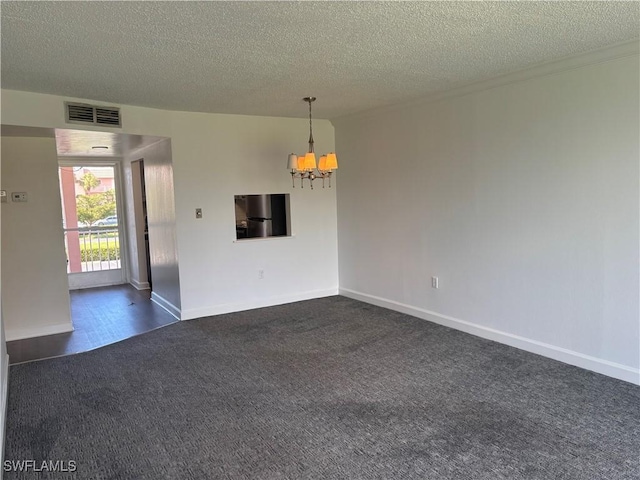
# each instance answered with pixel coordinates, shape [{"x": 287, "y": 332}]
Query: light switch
[
  {"x": 3, "y": 196},
  {"x": 198, "y": 213}
]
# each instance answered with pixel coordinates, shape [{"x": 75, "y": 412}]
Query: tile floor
[{"x": 100, "y": 316}]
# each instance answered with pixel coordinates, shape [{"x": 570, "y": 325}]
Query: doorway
[
  {"x": 93, "y": 234},
  {"x": 141, "y": 224},
  {"x": 49, "y": 262}
]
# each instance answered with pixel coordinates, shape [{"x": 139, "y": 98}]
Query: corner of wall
[{"x": 4, "y": 397}]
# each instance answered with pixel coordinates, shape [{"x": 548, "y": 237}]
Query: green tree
[
  {"x": 88, "y": 182},
  {"x": 92, "y": 208}
]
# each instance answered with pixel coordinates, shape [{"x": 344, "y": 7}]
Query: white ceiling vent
[{"x": 92, "y": 114}]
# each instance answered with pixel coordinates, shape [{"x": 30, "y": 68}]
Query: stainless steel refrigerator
[
  {"x": 262, "y": 215},
  {"x": 259, "y": 219}
]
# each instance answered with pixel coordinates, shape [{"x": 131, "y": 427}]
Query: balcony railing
[{"x": 91, "y": 249}]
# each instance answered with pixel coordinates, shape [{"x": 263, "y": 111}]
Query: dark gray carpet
[{"x": 324, "y": 389}]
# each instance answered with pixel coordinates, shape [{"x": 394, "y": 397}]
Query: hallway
[{"x": 100, "y": 316}]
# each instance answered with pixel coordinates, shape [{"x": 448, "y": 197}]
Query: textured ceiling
[{"x": 261, "y": 58}]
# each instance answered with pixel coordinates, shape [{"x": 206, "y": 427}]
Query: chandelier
[{"x": 304, "y": 166}]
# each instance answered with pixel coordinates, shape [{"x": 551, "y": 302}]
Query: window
[{"x": 262, "y": 215}]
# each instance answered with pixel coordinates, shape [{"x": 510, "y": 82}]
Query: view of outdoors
[{"x": 90, "y": 218}]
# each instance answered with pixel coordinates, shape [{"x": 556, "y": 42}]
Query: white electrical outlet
[
  {"x": 435, "y": 282},
  {"x": 260, "y": 274}
]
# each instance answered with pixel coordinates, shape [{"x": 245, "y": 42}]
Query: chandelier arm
[{"x": 311, "y": 176}]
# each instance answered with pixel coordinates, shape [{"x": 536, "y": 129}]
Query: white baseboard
[
  {"x": 167, "y": 305},
  {"x": 4, "y": 397},
  {"x": 104, "y": 278},
  {"x": 250, "y": 305},
  {"x": 31, "y": 332},
  {"x": 605, "y": 367},
  {"x": 140, "y": 285}
]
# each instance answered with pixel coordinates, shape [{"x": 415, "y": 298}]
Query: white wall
[
  {"x": 522, "y": 199},
  {"x": 4, "y": 386},
  {"x": 231, "y": 155},
  {"x": 35, "y": 296},
  {"x": 4, "y": 363},
  {"x": 214, "y": 157}
]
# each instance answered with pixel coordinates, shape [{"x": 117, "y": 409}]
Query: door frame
[
  {"x": 141, "y": 238},
  {"x": 102, "y": 280}
]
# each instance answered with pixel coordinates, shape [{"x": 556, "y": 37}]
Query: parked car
[
  {"x": 109, "y": 221},
  {"x": 80, "y": 224}
]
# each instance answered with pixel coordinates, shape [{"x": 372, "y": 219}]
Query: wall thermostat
[{"x": 18, "y": 196}]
